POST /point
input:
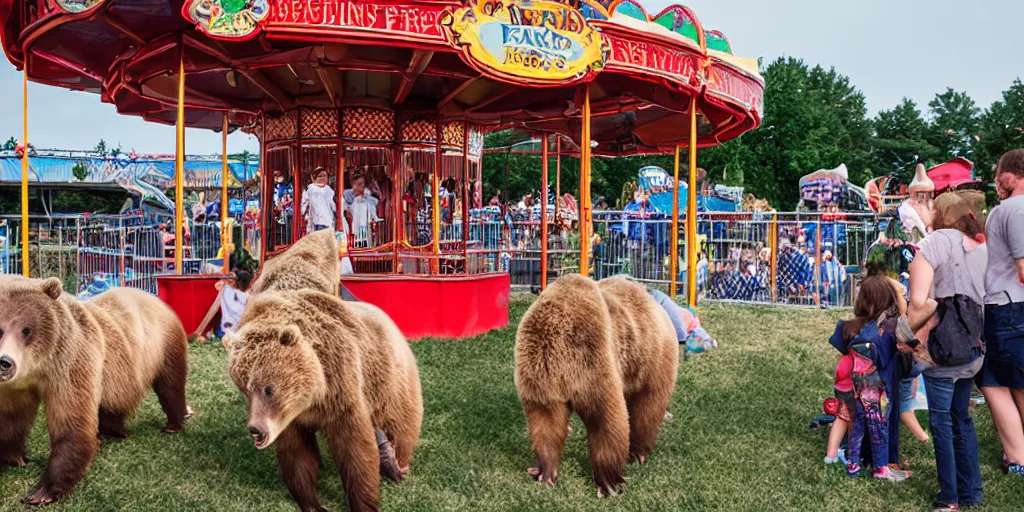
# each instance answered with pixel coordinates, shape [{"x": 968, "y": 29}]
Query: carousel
[{"x": 392, "y": 99}]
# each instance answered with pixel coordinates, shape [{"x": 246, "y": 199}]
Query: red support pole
[{"x": 544, "y": 214}]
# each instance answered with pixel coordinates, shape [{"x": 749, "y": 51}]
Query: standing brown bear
[
  {"x": 90, "y": 364},
  {"x": 606, "y": 351},
  {"x": 306, "y": 361},
  {"x": 312, "y": 263}
]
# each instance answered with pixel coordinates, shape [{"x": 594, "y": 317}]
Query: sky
[{"x": 888, "y": 48}]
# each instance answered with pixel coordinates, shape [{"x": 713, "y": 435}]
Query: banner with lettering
[{"x": 538, "y": 42}]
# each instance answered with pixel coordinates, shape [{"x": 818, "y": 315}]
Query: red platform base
[
  {"x": 190, "y": 296},
  {"x": 439, "y": 306}
]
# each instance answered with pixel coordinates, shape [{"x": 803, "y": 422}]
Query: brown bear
[
  {"x": 606, "y": 351},
  {"x": 307, "y": 361},
  {"x": 311, "y": 263},
  {"x": 90, "y": 365}
]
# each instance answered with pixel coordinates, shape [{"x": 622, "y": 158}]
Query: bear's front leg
[
  {"x": 354, "y": 449},
  {"x": 298, "y": 457},
  {"x": 72, "y": 418},
  {"x": 17, "y": 413}
]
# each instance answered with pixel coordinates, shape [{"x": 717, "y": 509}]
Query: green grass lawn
[{"x": 739, "y": 440}]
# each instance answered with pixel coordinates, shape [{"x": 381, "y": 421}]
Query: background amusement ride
[{"x": 394, "y": 96}]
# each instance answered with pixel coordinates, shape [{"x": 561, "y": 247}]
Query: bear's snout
[
  {"x": 7, "y": 368},
  {"x": 258, "y": 436}
]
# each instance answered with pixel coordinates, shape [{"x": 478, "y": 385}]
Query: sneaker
[
  {"x": 952, "y": 507},
  {"x": 1015, "y": 469},
  {"x": 842, "y": 456},
  {"x": 893, "y": 475},
  {"x": 852, "y": 469}
]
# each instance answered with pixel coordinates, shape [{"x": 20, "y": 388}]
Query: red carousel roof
[{"x": 500, "y": 63}]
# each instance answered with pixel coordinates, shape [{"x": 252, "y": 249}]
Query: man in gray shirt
[
  {"x": 1002, "y": 376},
  {"x": 1004, "y": 280}
]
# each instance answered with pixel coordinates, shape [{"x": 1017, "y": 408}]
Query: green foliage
[
  {"x": 11, "y": 144},
  {"x": 1002, "y": 129},
  {"x": 900, "y": 141},
  {"x": 80, "y": 171},
  {"x": 955, "y": 122},
  {"x": 814, "y": 119},
  {"x": 101, "y": 148}
]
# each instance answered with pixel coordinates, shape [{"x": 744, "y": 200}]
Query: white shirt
[
  {"x": 232, "y": 304},
  {"x": 364, "y": 211},
  {"x": 319, "y": 203}
]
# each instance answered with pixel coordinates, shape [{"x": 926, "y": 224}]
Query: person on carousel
[{"x": 318, "y": 207}]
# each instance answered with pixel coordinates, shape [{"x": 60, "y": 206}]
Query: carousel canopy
[{"x": 515, "y": 63}]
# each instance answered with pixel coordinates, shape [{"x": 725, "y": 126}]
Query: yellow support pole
[
  {"x": 585, "y": 214},
  {"x": 24, "y": 172},
  {"x": 179, "y": 171},
  {"x": 691, "y": 212},
  {"x": 674, "y": 264},
  {"x": 544, "y": 213},
  {"x": 225, "y": 230},
  {"x": 435, "y": 204}
]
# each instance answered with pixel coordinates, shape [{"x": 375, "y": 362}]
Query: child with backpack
[{"x": 869, "y": 339}]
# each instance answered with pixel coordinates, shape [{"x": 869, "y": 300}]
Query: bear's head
[
  {"x": 29, "y": 314},
  {"x": 278, "y": 372}
]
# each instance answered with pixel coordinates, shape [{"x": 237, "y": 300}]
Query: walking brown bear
[
  {"x": 606, "y": 351},
  {"x": 89, "y": 364}
]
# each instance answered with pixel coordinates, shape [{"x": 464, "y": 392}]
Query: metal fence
[
  {"x": 785, "y": 258},
  {"x": 92, "y": 253}
]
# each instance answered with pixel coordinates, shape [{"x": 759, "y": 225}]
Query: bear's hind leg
[
  {"x": 354, "y": 450},
  {"x": 15, "y": 424},
  {"x": 112, "y": 424},
  {"x": 298, "y": 457},
  {"x": 607, "y": 423},
  {"x": 548, "y": 426},
  {"x": 646, "y": 415},
  {"x": 170, "y": 385}
]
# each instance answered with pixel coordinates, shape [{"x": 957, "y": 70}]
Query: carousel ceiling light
[{"x": 231, "y": 78}]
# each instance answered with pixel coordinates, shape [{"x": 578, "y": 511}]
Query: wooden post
[
  {"x": 179, "y": 171},
  {"x": 584, "y": 210},
  {"x": 24, "y": 172},
  {"x": 674, "y": 253},
  {"x": 225, "y": 230},
  {"x": 544, "y": 213},
  {"x": 691, "y": 212}
]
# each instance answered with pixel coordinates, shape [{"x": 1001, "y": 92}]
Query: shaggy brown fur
[
  {"x": 89, "y": 364},
  {"x": 606, "y": 351},
  {"x": 311, "y": 263},
  {"x": 307, "y": 361}
]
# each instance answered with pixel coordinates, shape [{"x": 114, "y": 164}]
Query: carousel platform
[{"x": 437, "y": 306}]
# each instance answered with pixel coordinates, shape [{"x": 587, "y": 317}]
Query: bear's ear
[
  {"x": 53, "y": 288},
  {"x": 290, "y": 336}
]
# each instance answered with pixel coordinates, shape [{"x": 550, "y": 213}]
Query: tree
[
  {"x": 101, "y": 148},
  {"x": 80, "y": 171},
  {"x": 899, "y": 142},
  {"x": 954, "y": 124},
  {"x": 814, "y": 119},
  {"x": 11, "y": 144},
  {"x": 1002, "y": 129}
]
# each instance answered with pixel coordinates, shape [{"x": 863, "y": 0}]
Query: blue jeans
[{"x": 955, "y": 440}]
